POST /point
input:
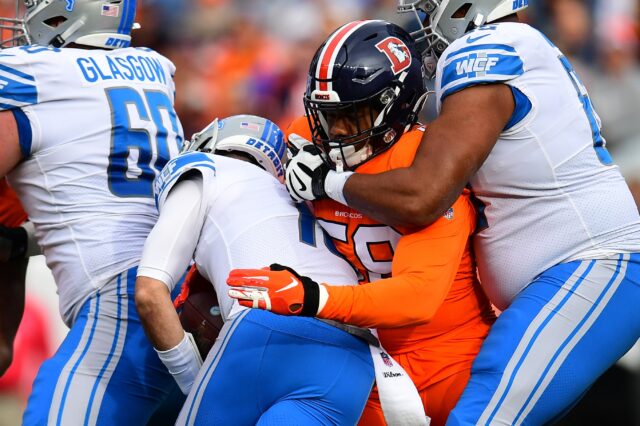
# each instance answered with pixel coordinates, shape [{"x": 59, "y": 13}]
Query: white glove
[
  {"x": 295, "y": 144},
  {"x": 183, "y": 362},
  {"x": 308, "y": 177},
  {"x": 305, "y": 175}
]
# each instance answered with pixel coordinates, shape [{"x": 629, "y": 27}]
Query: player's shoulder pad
[
  {"x": 18, "y": 86},
  {"x": 488, "y": 54},
  {"x": 177, "y": 167}
]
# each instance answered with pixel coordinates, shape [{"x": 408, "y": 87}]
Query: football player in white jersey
[
  {"x": 559, "y": 243},
  {"x": 222, "y": 203},
  {"x": 87, "y": 123}
]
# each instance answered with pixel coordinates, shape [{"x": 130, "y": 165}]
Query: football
[{"x": 200, "y": 314}]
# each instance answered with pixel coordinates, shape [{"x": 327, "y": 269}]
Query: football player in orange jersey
[{"x": 419, "y": 289}]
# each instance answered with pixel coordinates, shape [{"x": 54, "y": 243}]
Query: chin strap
[{"x": 61, "y": 39}]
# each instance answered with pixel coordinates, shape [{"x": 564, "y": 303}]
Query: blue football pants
[
  {"x": 550, "y": 345},
  {"x": 267, "y": 369},
  {"x": 105, "y": 371}
]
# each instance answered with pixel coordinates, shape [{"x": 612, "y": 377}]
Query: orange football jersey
[
  {"x": 419, "y": 289},
  {"x": 11, "y": 211}
]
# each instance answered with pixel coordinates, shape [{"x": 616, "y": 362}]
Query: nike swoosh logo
[
  {"x": 303, "y": 187},
  {"x": 473, "y": 40},
  {"x": 294, "y": 283}
]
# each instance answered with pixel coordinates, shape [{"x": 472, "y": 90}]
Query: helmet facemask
[
  {"x": 12, "y": 31},
  {"x": 362, "y": 125},
  {"x": 440, "y": 22},
  {"x": 429, "y": 42},
  {"x": 429, "y": 38}
]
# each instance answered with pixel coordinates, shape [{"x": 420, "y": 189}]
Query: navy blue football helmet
[{"x": 366, "y": 87}]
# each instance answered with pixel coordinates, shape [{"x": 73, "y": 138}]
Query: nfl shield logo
[{"x": 386, "y": 359}]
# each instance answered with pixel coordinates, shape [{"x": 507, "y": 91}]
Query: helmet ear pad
[{"x": 365, "y": 68}]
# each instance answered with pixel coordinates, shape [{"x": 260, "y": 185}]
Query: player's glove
[
  {"x": 295, "y": 144},
  {"x": 13, "y": 243},
  {"x": 278, "y": 289},
  {"x": 306, "y": 174}
]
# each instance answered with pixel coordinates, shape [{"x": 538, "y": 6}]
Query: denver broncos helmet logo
[{"x": 397, "y": 52}]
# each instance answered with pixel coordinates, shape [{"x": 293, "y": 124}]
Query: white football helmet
[
  {"x": 438, "y": 27},
  {"x": 259, "y": 138},
  {"x": 56, "y": 23}
]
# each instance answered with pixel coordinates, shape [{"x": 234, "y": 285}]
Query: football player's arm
[
  {"x": 12, "y": 291},
  {"x": 453, "y": 148},
  {"x": 424, "y": 267},
  {"x": 166, "y": 255},
  {"x": 10, "y": 153},
  {"x": 167, "y": 252}
]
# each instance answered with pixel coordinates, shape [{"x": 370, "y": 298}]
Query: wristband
[
  {"x": 334, "y": 185},
  {"x": 323, "y": 298},
  {"x": 183, "y": 362}
]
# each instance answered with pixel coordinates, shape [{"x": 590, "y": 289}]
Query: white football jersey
[
  {"x": 250, "y": 221},
  {"x": 548, "y": 192},
  {"x": 95, "y": 128}
]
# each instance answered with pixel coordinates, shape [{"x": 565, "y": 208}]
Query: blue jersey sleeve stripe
[
  {"x": 477, "y": 47},
  {"x": 15, "y": 72},
  {"x": 24, "y": 131},
  {"x": 178, "y": 166},
  {"x": 189, "y": 158},
  {"x": 483, "y": 67},
  {"x": 159, "y": 193},
  {"x": 25, "y": 94},
  {"x": 522, "y": 108}
]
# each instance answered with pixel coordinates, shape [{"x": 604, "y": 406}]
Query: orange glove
[{"x": 278, "y": 289}]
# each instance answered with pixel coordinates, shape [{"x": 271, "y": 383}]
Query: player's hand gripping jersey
[
  {"x": 112, "y": 112},
  {"x": 429, "y": 307},
  {"x": 549, "y": 173}
]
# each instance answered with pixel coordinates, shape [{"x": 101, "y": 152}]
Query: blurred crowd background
[{"x": 252, "y": 56}]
